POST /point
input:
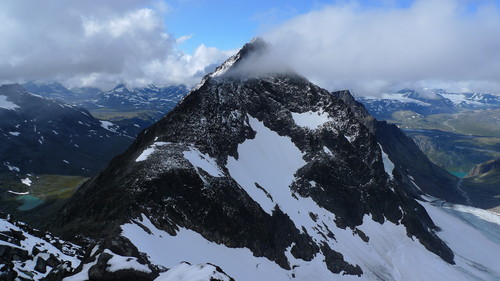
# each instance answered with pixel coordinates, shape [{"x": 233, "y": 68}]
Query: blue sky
[{"x": 227, "y": 24}]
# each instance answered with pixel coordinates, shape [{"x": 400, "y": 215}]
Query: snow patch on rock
[
  {"x": 26, "y": 181},
  {"x": 118, "y": 262},
  {"x": 5, "y": 104},
  {"x": 203, "y": 161},
  {"x": 150, "y": 150},
  {"x": 310, "y": 119},
  {"x": 388, "y": 165}
]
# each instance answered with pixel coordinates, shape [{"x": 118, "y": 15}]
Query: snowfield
[
  {"x": 270, "y": 161},
  {"x": 389, "y": 254}
]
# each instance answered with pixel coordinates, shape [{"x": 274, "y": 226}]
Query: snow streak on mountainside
[{"x": 269, "y": 177}]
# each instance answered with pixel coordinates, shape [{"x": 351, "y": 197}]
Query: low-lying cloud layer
[
  {"x": 95, "y": 43},
  {"x": 444, "y": 44}
]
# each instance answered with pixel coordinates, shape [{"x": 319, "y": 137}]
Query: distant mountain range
[
  {"x": 152, "y": 97},
  {"x": 161, "y": 99},
  {"x": 131, "y": 109},
  {"x": 427, "y": 102}
]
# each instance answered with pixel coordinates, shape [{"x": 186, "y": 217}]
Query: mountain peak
[{"x": 253, "y": 49}]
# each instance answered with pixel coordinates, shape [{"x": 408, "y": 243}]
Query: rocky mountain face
[
  {"x": 41, "y": 136},
  {"x": 267, "y": 176}
]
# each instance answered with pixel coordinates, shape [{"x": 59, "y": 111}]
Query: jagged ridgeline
[{"x": 269, "y": 177}]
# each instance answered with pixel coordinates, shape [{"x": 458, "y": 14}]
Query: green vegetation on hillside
[{"x": 43, "y": 188}]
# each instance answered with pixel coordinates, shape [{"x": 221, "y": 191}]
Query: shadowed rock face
[{"x": 343, "y": 172}]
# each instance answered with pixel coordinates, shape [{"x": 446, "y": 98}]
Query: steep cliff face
[{"x": 267, "y": 169}]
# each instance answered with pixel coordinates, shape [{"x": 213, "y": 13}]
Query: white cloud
[
  {"x": 184, "y": 38},
  {"x": 95, "y": 43},
  {"x": 371, "y": 50}
]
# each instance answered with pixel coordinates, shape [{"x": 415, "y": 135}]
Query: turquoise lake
[
  {"x": 459, "y": 174},
  {"x": 29, "y": 202}
]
